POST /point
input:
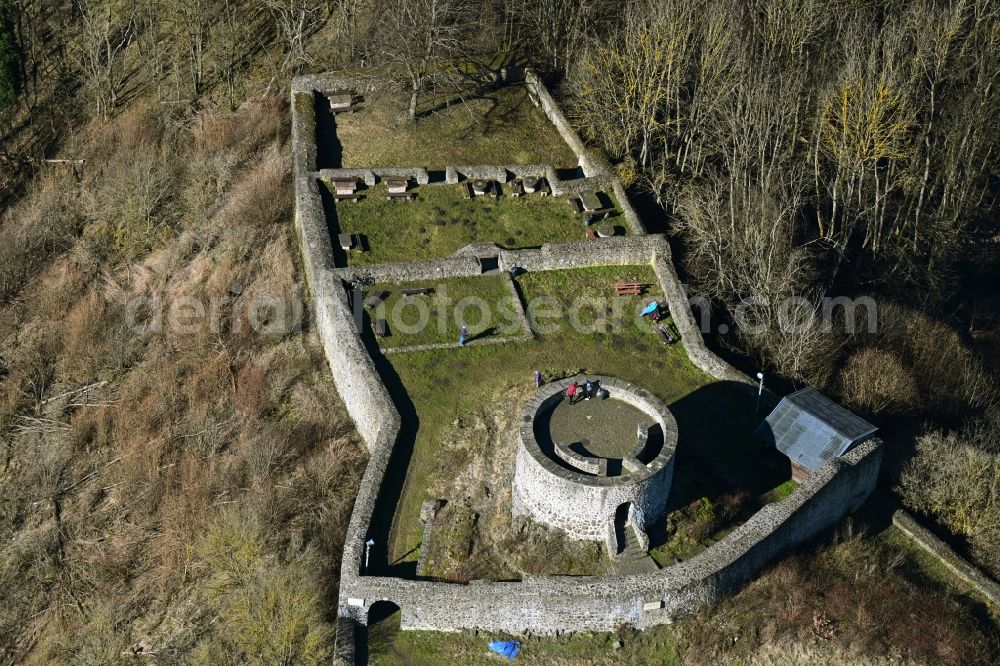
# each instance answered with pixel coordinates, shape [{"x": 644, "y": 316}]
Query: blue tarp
[
  {"x": 649, "y": 309},
  {"x": 509, "y": 649}
]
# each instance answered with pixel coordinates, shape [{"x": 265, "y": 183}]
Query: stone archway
[{"x": 382, "y": 625}]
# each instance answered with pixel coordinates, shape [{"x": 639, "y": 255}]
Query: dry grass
[
  {"x": 496, "y": 127},
  {"x": 193, "y": 502}
]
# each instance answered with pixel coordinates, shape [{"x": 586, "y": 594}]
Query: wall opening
[
  {"x": 621, "y": 530},
  {"x": 378, "y": 638}
]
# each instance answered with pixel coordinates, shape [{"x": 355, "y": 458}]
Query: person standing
[
  {"x": 571, "y": 393},
  {"x": 463, "y": 334},
  {"x": 538, "y": 379},
  {"x": 588, "y": 390}
]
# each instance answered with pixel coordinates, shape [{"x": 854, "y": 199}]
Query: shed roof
[{"x": 810, "y": 428}]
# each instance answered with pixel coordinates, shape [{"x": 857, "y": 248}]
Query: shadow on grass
[
  {"x": 381, "y": 528},
  {"x": 378, "y": 637},
  {"x": 333, "y": 225},
  {"x": 715, "y": 425},
  {"x": 329, "y": 151}
]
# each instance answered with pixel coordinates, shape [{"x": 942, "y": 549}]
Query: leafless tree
[
  {"x": 418, "y": 41},
  {"x": 296, "y": 20},
  {"x": 107, "y": 30}
]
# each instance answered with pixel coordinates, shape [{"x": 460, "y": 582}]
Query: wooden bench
[
  {"x": 575, "y": 203},
  {"x": 543, "y": 187},
  {"x": 516, "y": 188},
  {"x": 381, "y": 328},
  {"x": 628, "y": 289},
  {"x": 421, "y": 291},
  {"x": 353, "y": 196},
  {"x": 595, "y": 215},
  {"x": 467, "y": 189},
  {"x": 375, "y": 299},
  {"x": 665, "y": 334},
  {"x": 399, "y": 196}
]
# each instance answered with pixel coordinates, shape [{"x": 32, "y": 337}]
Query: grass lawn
[
  {"x": 440, "y": 221},
  {"x": 441, "y": 387},
  {"x": 498, "y": 127},
  {"x": 389, "y": 646},
  {"x": 437, "y": 317}
]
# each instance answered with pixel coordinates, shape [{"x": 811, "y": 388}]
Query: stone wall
[
  {"x": 631, "y": 217},
  {"x": 680, "y": 310},
  {"x": 924, "y": 538},
  {"x": 592, "y": 162},
  {"x": 576, "y": 185},
  {"x": 419, "y": 174},
  {"x": 537, "y": 604},
  {"x": 586, "y": 464},
  {"x": 547, "y": 604},
  {"x": 456, "y": 174},
  {"x": 367, "y": 175},
  {"x": 414, "y": 271},
  {"x": 617, "y": 250},
  {"x": 578, "y": 503}
]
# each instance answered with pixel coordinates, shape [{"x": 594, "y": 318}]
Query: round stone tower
[{"x": 583, "y": 467}]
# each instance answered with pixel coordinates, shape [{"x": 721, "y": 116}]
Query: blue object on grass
[
  {"x": 649, "y": 309},
  {"x": 509, "y": 649}
]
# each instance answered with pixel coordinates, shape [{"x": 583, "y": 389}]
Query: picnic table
[
  {"x": 628, "y": 288},
  {"x": 590, "y": 201},
  {"x": 375, "y": 298},
  {"x": 396, "y": 184},
  {"x": 340, "y": 100},
  {"x": 344, "y": 185}
]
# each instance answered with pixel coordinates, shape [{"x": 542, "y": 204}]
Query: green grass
[
  {"x": 446, "y": 386},
  {"x": 654, "y": 647},
  {"x": 435, "y": 318},
  {"x": 441, "y": 221},
  {"x": 499, "y": 127}
]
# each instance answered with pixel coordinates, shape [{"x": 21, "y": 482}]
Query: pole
[
  {"x": 760, "y": 391},
  {"x": 368, "y": 547}
]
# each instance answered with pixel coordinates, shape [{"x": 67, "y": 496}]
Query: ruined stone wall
[
  {"x": 592, "y": 162},
  {"x": 367, "y": 175},
  {"x": 537, "y": 604},
  {"x": 414, "y": 271},
  {"x": 577, "y": 503},
  {"x": 617, "y": 251},
  {"x": 548, "y": 604},
  {"x": 680, "y": 309}
]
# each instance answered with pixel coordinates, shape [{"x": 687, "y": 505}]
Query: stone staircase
[{"x": 631, "y": 558}]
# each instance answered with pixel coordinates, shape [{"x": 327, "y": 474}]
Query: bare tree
[
  {"x": 416, "y": 39},
  {"x": 192, "y": 20},
  {"x": 107, "y": 30},
  {"x": 296, "y": 19}
]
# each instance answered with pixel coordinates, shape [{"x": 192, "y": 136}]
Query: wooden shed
[{"x": 810, "y": 429}]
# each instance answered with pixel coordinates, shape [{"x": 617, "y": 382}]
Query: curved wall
[{"x": 582, "y": 504}]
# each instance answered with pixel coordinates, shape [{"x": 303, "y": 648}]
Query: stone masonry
[
  {"x": 545, "y": 604},
  {"x": 582, "y": 505}
]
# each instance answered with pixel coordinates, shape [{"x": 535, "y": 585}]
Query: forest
[{"x": 794, "y": 151}]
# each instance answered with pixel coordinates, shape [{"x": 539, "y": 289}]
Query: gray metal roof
[{"x": 810, "y": 428}]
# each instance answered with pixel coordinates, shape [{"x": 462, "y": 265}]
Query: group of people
[{"x": 577, "y": 393}]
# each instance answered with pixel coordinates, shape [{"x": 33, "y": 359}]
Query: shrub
[
  {"x": 877, "y": 381},
  {"x": 956, "y": 478}
]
